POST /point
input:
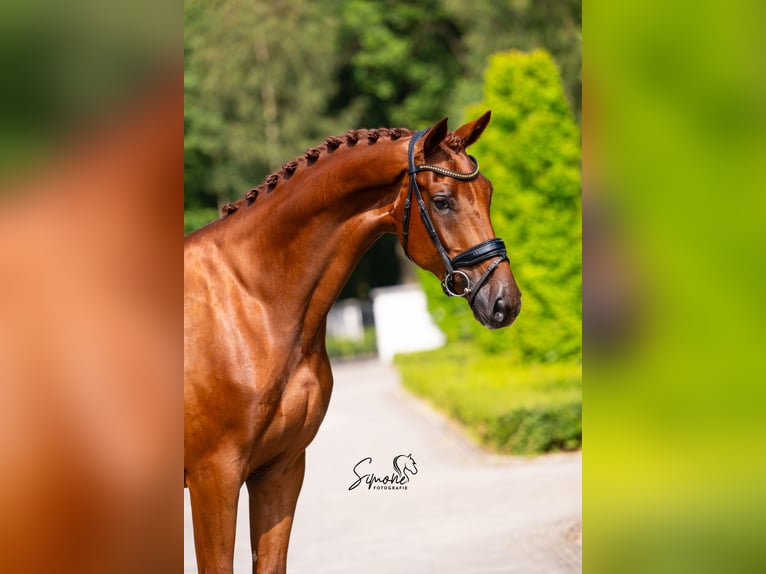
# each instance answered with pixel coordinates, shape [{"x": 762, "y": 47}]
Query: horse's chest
[
  {"x": 302, "y": 408},
  {"x": 298, "y": 412}
]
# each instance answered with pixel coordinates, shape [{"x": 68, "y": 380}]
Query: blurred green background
[{"x": 674, "y": 128}]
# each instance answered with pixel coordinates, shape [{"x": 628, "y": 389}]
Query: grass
[{"x": 506, "y": 407}]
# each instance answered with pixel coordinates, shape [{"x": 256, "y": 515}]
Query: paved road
[{"x": 464, "y": 512}]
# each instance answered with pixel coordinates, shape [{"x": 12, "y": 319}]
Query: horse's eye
[{"x": 441, "y": 203}]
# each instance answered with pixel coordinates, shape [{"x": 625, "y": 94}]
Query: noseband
[{"x": 491, "y": 248}]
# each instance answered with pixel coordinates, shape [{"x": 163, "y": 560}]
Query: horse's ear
[
  {"x": 434, "y": 137},
  {"x": 471, "y": 131}
]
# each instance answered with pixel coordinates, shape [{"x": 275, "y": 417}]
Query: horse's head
[{"x": 451, "y": 234}]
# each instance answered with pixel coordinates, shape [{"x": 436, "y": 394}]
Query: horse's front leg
[
  {"x": 272, "y": 505},
  {"x": 214, "y": 493}
]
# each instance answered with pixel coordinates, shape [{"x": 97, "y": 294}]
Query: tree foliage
[
  {"x": 492, "y": 26},
  {"x": 258, "y": 77},
  {"x": 398, "y": 61},
  {"x": 531, "y": 153}
]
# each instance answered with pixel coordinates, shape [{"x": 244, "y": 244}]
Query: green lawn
[{"x": 506, "y": 407}]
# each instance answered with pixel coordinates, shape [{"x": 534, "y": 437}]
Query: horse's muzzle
[{"x": 497, "y": 307}]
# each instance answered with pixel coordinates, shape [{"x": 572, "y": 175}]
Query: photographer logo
[{"x": 404, "y": 468}]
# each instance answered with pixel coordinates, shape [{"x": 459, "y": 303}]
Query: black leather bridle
[{"x": 491, "y": 248}]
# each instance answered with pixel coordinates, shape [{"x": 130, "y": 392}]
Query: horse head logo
[{"x": 403, "y": 463}]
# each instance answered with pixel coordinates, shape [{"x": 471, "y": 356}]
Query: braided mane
[{"x": 309, "y": 158}]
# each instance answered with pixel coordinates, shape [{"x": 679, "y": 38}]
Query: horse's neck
[{"x": 295, "y": 247}]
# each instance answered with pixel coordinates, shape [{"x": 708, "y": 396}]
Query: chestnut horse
[{"x": 258, "y": 285}]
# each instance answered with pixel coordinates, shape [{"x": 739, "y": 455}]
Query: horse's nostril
[{"x": 500, "y": 311}]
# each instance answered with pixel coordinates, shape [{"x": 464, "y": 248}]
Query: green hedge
[
  {"x": 507, "y": 407},
  {"x": 342, "y": 348},
  {"x": 535, "y": 430},
  {"x": 531, "y": 153}
]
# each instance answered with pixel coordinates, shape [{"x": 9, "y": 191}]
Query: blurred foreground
[
  {"x": 674, "y": 124},
  {"x": 90, "y": 283}
]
